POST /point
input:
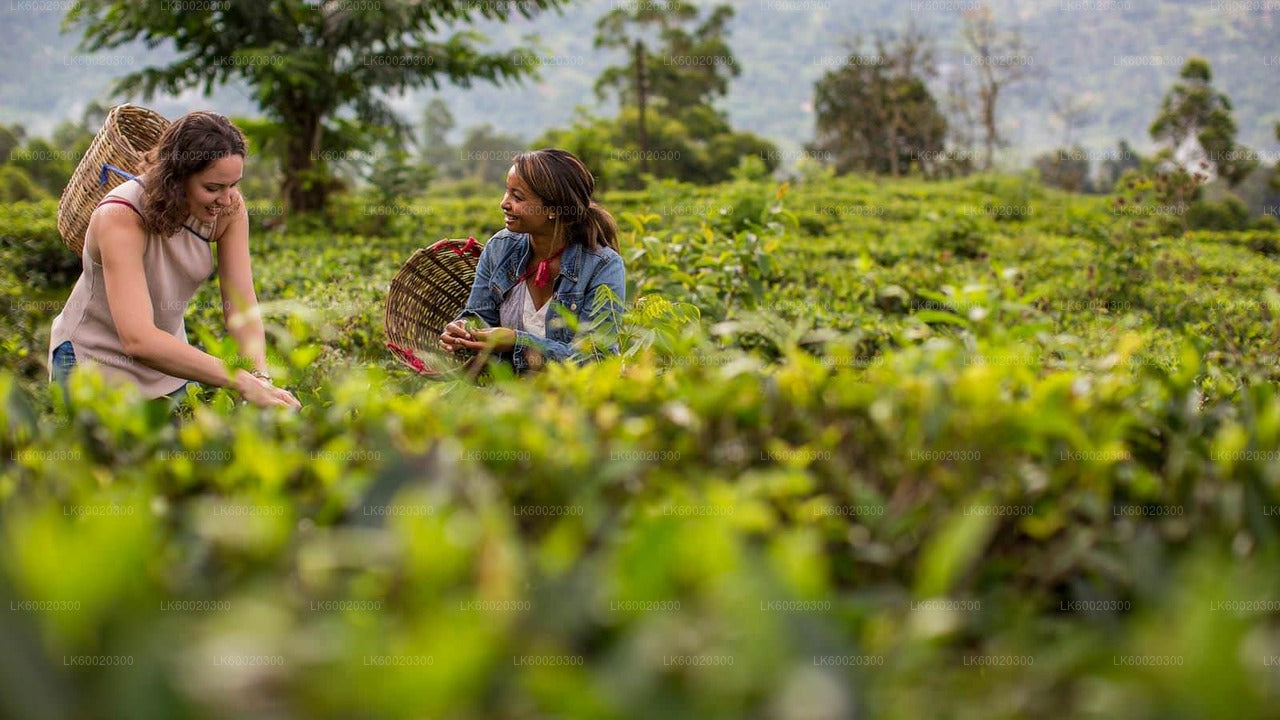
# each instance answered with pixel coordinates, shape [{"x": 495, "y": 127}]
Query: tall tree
[
  {"x": 677, "y": 66},
  {"x": 486, "y": 155},
  {"x": 307, "y": 61},
  {"x": 393, "y": 175},
  {"x": 1194, "y": 109},
  {"x": 1000, "y": 59},
  {"x": 876, "y": 114},
  {"x": 437, "y": 123},
  {"x": 1071, "y": 112},
  {"x": 1275, "y": 179},
  {"x": 962, "y": 125}
]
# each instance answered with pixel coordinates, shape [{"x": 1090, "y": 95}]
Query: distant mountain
[{"x": 1123, "y": 54}]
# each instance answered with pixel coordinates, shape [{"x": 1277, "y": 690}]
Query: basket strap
[{"x": 108, "y": 167}]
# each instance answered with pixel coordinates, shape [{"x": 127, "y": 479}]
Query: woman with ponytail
[{"x": 550, "y": 286}]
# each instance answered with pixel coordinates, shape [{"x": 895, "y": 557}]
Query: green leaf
[{"x": 955, "y": 547}]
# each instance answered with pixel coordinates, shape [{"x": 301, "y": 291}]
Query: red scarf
[{"x": 542, "y": 273}]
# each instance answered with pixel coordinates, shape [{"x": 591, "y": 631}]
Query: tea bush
[
  {"x": 960, "y": 237},
  {"x": 1229, "y": 213},
  {"x": 31, "y": 247},
  {"x": 833, "y": 475}
]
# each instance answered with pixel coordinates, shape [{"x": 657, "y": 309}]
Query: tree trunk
[
  {"x": 895, "y": 127},
  {"x": 304, "y": 190},
  {"x": 641, "y": 92},
  {"x": 989, "y": 125}
]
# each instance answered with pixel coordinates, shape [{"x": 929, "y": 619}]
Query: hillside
[{"x": 1122, "y": 54}]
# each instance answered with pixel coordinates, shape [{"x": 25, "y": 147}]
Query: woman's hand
[
  {"x": 454, "y": 335},
  {"x": 500, "y": 339},
  {"x": 262, "y": 393}
]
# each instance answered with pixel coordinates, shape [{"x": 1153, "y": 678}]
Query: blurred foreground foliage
[{"x": 849, "y": 466}]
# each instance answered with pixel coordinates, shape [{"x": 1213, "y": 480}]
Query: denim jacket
[{"x": 582, "y": 273}]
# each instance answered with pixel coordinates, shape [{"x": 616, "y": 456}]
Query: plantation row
[{"x": 872, "y": 450}]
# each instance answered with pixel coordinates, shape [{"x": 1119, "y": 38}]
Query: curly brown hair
[{"x": 189, "y": 145}]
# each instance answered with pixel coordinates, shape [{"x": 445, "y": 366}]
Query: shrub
[
  {"x": 959, "y": 235},
  {"x": 32, "y": 248},
  {"x": 1009, "y": 189},
  {"x": 1230, "y": 213},
  {"x": 391, "y": 539},
  {"x": 813, "y": 224},
  {"x": 1010, "y": 197},
  {"x": 17, "y": 186},
  {"x": 1065, "y": 169},
  {"x": 819, "y": 454}
]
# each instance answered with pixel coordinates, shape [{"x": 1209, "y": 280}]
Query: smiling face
[
  {"x": 212, "y": 191},
  {"x": 523, "y": 210}
]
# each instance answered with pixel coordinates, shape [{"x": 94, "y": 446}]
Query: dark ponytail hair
[{"x": 566, "y": 186}]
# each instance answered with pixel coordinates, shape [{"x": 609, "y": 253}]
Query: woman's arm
[
  {"x": 239, "y": 300},
  {"x": 121, "y": 242},
  {"x": 480, "y": 302}
]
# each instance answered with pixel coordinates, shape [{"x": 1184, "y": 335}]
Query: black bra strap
[{"x": 193, "y": 232}]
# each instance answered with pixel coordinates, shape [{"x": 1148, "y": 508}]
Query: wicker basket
[
  {"x": 126, "y": 136},
  {"x": 427, "y": 294}
]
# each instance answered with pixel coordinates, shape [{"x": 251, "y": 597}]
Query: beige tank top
[{"x": 175, "y": 268}]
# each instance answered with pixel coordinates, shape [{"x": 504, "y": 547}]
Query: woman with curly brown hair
[{"x": 149, "y": 247}]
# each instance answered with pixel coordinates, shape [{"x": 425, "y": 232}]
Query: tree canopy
[
  {"x": 307, "y": 62},
  {"x": 874, "y": 113},
  {"x": 694, "y": 62},
  {"x": 1194, "y": 109},
  {"x": 678, "y": 64}
]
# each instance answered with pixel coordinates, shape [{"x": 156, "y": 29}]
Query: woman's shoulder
[
  {"x": 131, "y": 189},
  {"x": 118, "y": 220},
  {"x": 602, "y": 265},
  {"x": 505, "y": 241},
  {"x": 506, "y": 237},
  {"x": 120, "y": 208},
  {"x": 237, "y": 215},
  {"x": 604, "y": 255}
]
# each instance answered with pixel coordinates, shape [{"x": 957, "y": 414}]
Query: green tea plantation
[{"x": 969, "y": 449}]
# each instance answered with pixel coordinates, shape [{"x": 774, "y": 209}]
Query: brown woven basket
[
  {"x": 427, "y": 294},
  {"x": 126, "y": 136}
]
